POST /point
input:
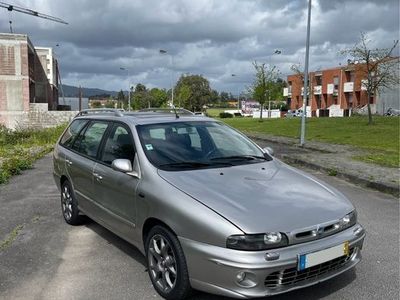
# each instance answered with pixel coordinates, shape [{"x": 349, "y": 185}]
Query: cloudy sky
[{"x": 215, "y": 38}]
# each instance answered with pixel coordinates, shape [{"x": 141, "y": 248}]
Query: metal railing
[
  {"x": 92, "y": 111},
  {"x": 179, "y": 111}
]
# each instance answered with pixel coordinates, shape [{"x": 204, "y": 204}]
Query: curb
[
  {"x": 392, "y": 189},
  {"x": 379, "y": 186}
]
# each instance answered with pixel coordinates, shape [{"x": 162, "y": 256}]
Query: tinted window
[
  {"x": 72, "y": 131},
  {"x": 119, "y": 144},
  {"x": 88, "y": 142}
]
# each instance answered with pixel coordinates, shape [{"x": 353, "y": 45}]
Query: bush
[
  {"x": 224, "y": 115},
  {"x": 19, "y": 149}
]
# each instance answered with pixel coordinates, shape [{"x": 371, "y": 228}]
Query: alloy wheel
[
  {"x": 162, "y": 263},
  {"x": 67, "y": 202}
]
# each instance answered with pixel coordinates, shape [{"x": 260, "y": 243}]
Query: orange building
[{"x": 341, "y": 87}]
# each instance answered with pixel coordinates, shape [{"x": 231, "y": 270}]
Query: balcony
[
  {"x": 302, "y": 91},
  {"x": 348, "y": 87},
  {"x": 364, "y": 84},
  {"x": 287, "y": 92},
  {"x": 318, "y": 90}
]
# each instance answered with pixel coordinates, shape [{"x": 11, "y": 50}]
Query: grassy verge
[
  {"x": 379, "y": 141},
  {"x": 214, "y": 112},
  {"x": 19, "y": 149}
]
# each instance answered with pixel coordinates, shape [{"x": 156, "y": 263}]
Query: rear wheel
[
  {"x": 166, "y": 264},
  {"x": 69, "y": 206}
]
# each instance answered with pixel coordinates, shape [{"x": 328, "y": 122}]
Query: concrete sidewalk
[{"x": 334, "y": 159}]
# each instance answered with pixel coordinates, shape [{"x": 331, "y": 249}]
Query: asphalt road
[{"x": 49, "y": 259}]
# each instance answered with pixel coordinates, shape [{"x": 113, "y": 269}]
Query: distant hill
[{"x": 72, "y": 91}]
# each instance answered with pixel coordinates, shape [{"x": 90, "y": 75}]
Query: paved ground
[{"x": 51, "y": 260}]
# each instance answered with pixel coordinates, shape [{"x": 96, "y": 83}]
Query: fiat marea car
[{"x": 209, "y": 209}]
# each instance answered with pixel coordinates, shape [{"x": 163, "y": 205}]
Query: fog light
[
  {"x": 240, "y": 277},
  {"x": 358, "y": 231}
]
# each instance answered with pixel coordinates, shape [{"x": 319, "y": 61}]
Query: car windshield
[{"x": 193, "y": 145}]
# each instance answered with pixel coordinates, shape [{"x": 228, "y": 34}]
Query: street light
[
  {"x": 276, "y": 51},
  {"x": 305, "y": 95},
  {"x": 129, "y": 87},
  {"x": 238, "y": 104},
  {"x": 162, "y": 51}
]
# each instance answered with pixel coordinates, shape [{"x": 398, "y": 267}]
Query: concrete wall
[
  {"x": 14, "y": 72},
  {"x": 388, "y": 98}
]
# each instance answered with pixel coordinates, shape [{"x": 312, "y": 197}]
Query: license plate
[{"x": 312, "y": 259}]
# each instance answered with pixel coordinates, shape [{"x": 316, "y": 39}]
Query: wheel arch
[{"x": 150, "y": 223}]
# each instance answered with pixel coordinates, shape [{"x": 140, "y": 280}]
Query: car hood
[{"x": 261, "y": 197}]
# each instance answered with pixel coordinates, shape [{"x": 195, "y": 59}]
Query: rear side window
[
  {"x": 88, "y": 142},
  {"x": 71, "y": 133}
]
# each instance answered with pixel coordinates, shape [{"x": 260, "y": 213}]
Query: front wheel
[{"x": 166, "y": 264}]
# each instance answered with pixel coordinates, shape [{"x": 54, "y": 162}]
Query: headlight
[
  {"x": 348, "y": 220},
  {"x": 254, "y": 242}
]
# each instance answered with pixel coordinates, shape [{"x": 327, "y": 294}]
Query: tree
[
  {"x": 200, "y": 91},
  {"x": 109, "y": 104},
  {"x": 121, "y": 97},
  {"x": 158, "y": 97},
  {"x": 96, "y": 104},
  {"x": 183, "y": 94},
  {"x": 261, "y": 87},
  {"x": 378, "y": 66}
]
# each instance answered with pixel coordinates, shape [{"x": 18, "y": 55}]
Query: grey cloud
[{"x": 211, "y": 37}]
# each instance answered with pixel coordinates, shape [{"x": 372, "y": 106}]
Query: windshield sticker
[{"x": 149, "y": 146}]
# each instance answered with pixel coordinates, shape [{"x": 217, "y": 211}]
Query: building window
[
  {"x": 336, "y": 81},
  {"x": 318, "y": 80}
]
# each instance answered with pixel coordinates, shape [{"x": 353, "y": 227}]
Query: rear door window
[
  {"x": 72, "y": 132},
  {"x": 88, "y": 142}
]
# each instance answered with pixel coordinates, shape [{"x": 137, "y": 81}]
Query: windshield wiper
[
  {"x": 193, "y": 164},
  {"x": 185, "y": 164},
  {"x": 240, "y": 157}
]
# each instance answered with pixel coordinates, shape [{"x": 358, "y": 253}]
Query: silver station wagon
[{"x": 208, "y": 208}]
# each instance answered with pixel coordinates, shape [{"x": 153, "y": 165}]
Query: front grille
[{"x": 288, "y": 277}]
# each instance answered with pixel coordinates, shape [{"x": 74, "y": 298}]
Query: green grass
[
  {"x": 214, "y": 112},
  {"x": 19, "y": 149},
  {"x": 380, "y": 140}
]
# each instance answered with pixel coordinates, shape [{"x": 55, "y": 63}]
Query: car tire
[
  {"x": 69, "y": 205},
  {"x": 166, "y": 264}
]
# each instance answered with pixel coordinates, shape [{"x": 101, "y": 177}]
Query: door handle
[
  {"x": 98, "y": 176},
  {"x": 68, "y": 162}
]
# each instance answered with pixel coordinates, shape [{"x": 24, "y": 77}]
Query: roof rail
[
  {"x": 116, "y": 112},
  {"x": 172, "y": 110}
]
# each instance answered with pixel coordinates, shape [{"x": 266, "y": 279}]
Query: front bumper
[{"x": 215, "y": 269}]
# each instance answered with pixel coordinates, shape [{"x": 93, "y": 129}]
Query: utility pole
[
  {"x": 80, "y": 98},
  {"x": 276, "y": 51},
  {"x": 238, "y": 102},
  {"x": 305, "y": 93}
]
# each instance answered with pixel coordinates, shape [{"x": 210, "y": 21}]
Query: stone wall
[{"x": 37, "y": 117}]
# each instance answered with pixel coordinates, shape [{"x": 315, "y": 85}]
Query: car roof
[{"x": 141, "y": 117}]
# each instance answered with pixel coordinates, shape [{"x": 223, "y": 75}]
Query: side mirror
[
  {"x": 269, "y": 150},
  {"x": 124, "y": 166}
]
